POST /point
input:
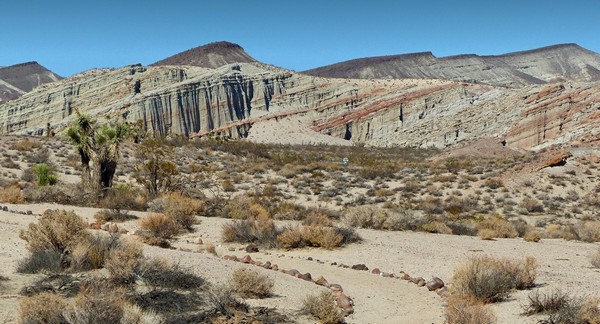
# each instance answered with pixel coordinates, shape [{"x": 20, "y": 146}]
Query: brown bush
[
  {"x": 588, "y": 231},
  {"x": 595, "y": 258},
  {"x": 436, "y": 227},
  {"x": 99, "y": 302},
  {"x": 26, "y": 145},
  {"x": 317, "y": 218},
  {"x": 112, "y": 215},
  {"x": 488, "y": 279},
  {"x": 532, "y": 235},
  {"x": 45, "y": 307},
  {"x": 546, "y": 303},
  {"x": 92, "y": 251},
  {"x": 165, "y": 274},
  {"x": 532, "y": 205},
  {"x": 56, "y": 230},
  {"x": 250, "y": 283},
  {"x": 223, "y": 300},
  {"x": 468, "y": 310},
  {"x": 323, "y": 307},
  {"x": 379, "y": 218},
  {"x": 260, "y": 231},
  {"x": 12, "y": 195},
  {"x": 242, "y": 207},
  {"x": 315, "y": 236},
  {"x": 123, "y": 262},
  {"x": 496, "y": 227},
  {"x": 183, "y": 209},
  {"x": 160, "y": 225}
]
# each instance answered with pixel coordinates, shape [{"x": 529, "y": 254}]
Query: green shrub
[{"x": 44, "y": 175}]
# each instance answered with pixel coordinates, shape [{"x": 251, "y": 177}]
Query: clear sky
[{"x": 72, "y": 36}]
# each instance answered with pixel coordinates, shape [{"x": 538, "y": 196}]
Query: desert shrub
[
  {"x": 595, "y": 258},
  {"x": 123, "y": 262},
  {"x": 493, "y": 183},
  {"x": 436, "y": 227},
  {"x": 250, "y": 283},
  {"x": 59, "y": 193},
  {"x": 92, "y": 251},
  {"x": 223, "y": 300},
  {"x": 260, "y": 231},
  {"x": 323, "y": 307},
  {"x": 12, "y": 195},
  {"x": 112, "y": 215},
  {"x": 317, "y": 218},
  {"x": 26, "y": 145},
  {"x": 588, "y": 231},
  {"x": 316, "y": 236},
  {"x": 532, "y": 235},
  {"x": 183, "y": 209},
  {"x": 495, "y": 226},
  {"x": 488, "y": 279},
  {"x": 123, "y": 197},
  {"x": 41, "y": 260},
  {"x": 287, "y": 211},
  {"x": 165, "y": 274},
  {"x": 379, "y": 218},
  {"x": 160, "y": 225},
  {"x": 322, "y": 236},
  {"x": 532, "y": 205},
  {"x": 562, "y": 308},
  {"x": 546, "y": 303},
  {"x": 99, "y": 302},
  {"x": 44, "y": 175},
  {"x": 135, "y": 315},
  {"x": 468, "y": 310},
  {"x": 45, "y": 307},
  {"x": 349, "y": 235},
  {"x": 56, "y": 230},
  {"x": 242, "y": 207}
]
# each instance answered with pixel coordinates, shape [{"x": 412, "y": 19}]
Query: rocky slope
[
  {"x": 230, "y": 100},
  {"x": 567, "y": 62},
  {"x": 212, "y": 55},
  {"x": 19, "y": 79}
]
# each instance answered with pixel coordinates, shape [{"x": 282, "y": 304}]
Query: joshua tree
[{"x": 98, "y": 146}]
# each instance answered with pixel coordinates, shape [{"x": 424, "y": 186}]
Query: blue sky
[{"x": 72, "y": 36}]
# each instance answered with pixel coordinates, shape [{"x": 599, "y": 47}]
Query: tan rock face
[{"x": 230, "y": 100}]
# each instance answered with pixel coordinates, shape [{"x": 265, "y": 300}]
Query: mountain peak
[{"x": 211, "y": 55}]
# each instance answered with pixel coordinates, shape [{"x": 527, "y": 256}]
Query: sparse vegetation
[
  {"x": 323, "y": 307},
  {"x": 468, "y": 310},
  {"x": 250, "y": 283}
]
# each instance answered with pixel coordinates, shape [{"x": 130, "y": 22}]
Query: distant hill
[
  {"x": 212, "y": 55},
  {"x": 19, "y": 79},
  {"x": 565, "y": 62}
]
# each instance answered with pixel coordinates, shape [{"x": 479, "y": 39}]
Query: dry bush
[
  {"x": 323, "y": 306},
  {"x": 260, "y": 231},
  {"x": 468, "y": 310},
  {"x": 532, "y": 235},
  {"x": 56, "y": 230},
  {"x": 45, "y": 307},
  {"x": 488, "y": 279},
  {"x": 183, "y": 209},
  {"x": 40, "y": 261},
  {"x": 132, "y": 314},
  {"x": 99, "y": 302},
  {"x": 12, "y": 195},
  {"x": 315, "y": 236},
  {"x": 123, "y": 262},
  {"x": 546, "y": 303},
  {"x": 588, "y": 231},
  {"x": 589, "y": 311},
  {"x": 165, "y": 274},
  {"x": 122, "y": 197},
  {"x": 496, "y": 227},
  {"x": 223, "y": 300},
  {"x": 250, "y": 283},
  {"x": 321, "y": 236},
  {"x": 92, "y": 251},
  {"x": 436, "y": 227},
  {"x": 594, "y": 258},
  {"x": 26, "y": 145},
  {"x": 532, "y": 205},
  {"x": 160, "y": 225},
  {"x": 242, "y": 207},
  {"x": 317, "y": 218},
  {"x": 379, "y": 218},
  {"x": 112, "y": 215}
]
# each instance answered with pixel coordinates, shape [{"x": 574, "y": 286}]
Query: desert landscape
[{"x": 212, "y": 188}]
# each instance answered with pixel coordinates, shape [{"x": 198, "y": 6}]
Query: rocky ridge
[
  {"x": 230, "y": 100},
  {"x": 558, "y": 63},
  {"x": 19, "y": 79},
  {"x": 212, "y": 55}
]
